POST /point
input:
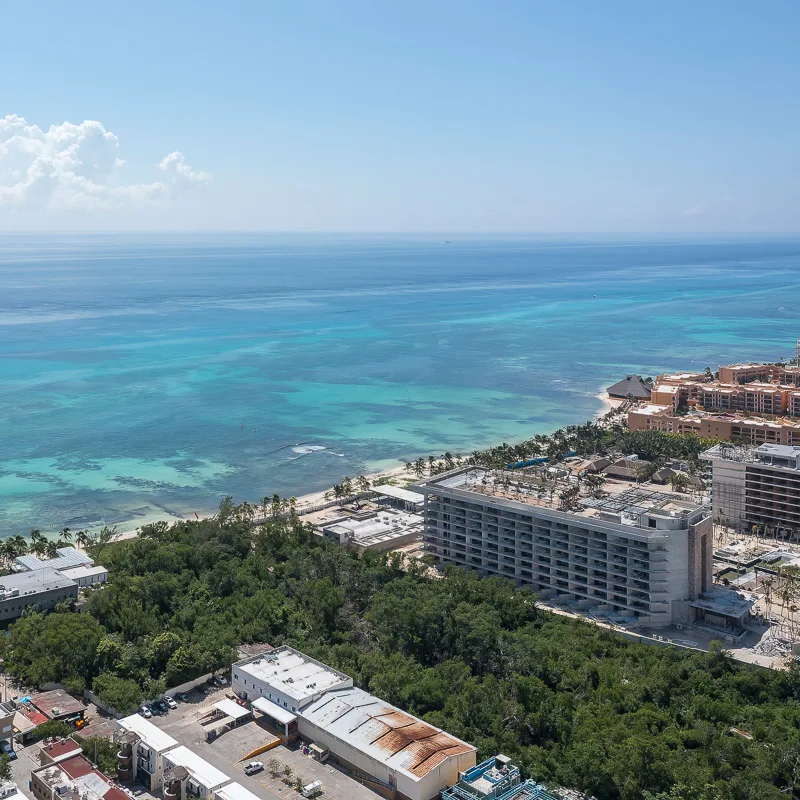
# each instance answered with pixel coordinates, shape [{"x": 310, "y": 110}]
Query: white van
[{"x": 312, "y": 789}]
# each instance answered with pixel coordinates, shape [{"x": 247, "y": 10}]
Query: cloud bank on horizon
[{"x": 73, "y": 167}]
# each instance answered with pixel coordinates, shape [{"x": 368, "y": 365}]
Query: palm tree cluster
[
  {"x": 37, "y": 544},
  {"x": 348, "y": 488}
]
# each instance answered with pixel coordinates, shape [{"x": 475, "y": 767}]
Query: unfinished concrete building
[
  {"x": 633, "y": 554},
  {"x": 757, "y": 486}
]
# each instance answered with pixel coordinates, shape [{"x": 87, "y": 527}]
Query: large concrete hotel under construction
[{"x": 633, "y": 554}]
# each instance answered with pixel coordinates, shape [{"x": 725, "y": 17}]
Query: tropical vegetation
[{"x": 573, "y": 704}]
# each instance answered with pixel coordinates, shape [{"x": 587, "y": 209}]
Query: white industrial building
[
  {"x": 142, "y": 749},
  {"x": 387, "y": 745},
  {"x": 286, "y": 677},
  {"x": 380, "y": 744}
]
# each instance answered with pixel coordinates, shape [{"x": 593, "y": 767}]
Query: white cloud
[{"x": 77, "y": 167}]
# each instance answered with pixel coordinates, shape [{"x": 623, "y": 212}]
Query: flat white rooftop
[
  {"x": 235, "y": 791},
  {"x": 293, "y": 674},
  {"x": 67, "y": 557},
  {"x": 201, "y": 771},
  {"x": 378, "y": 526},
  {"x": 231, "y": 709},
  {"x": 74, "y": 573},
  {"x": 398, "y": 493},
  {"x": 150, "y": 734},
  {"x": 273, "y": 710}
]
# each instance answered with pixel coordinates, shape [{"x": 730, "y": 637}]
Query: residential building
[
  {"x": 142, "y": 750},
  {"x": 7, "y": 712},
  {"x": 41, "y": 588},
  {"x": 495, "y": 779},
  {"x": 57, "y": 704},
  {"x": 373, "y": 740},
  {"x": 636, "y": 555},
  {"x": 59, "y": 750},
  {"x": 374, "y": 529},
  {"x": 755, "y": 486},
  {"x": 73, "y": 779},
  {"x": 186, "y": 774},
  {"x": 10, "y": 791},
  {"x": 286, "y": 677}
]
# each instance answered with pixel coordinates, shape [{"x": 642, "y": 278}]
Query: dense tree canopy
[{"x": 573, "y": 704}]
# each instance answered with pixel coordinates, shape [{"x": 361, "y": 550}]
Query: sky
[{"x": 560, "y": 116}]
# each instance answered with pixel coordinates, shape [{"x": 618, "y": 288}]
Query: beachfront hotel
[
  {"x": 635, "y": 555},
  {"x": 749, "y": 403}
]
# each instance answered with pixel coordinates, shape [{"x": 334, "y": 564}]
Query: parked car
[
  {"x": 145, "y": 711},
  {"x": 170, "y": 702},
  {"x": 221, "y": 680},
  {"x": 312, "y": 789},
  {"x": 7, "y": 749},
  {"x": 183, "y": 697},
  {"x": 160, "y": 707},
  {"x": 253, "y": 767}
]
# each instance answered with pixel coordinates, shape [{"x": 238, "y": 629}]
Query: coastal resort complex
[{"x": 747, "y": 403}]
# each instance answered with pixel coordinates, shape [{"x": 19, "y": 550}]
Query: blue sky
[{"x": 410, "y": 116}]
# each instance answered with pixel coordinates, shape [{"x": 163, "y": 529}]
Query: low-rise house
[
  {"x": 60, "y": 705},
  {"x": 10, "y": 791},
  {"x": 187, "y": 774},
  {"x": 57, "y": 750},
  {"x": 73, "y": 779}
]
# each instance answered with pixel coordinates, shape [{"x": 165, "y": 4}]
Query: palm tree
[
  {"x": 51, "y": 549},
  {"x": 65, "y": 534},
  {"x": 38, "y": 544},
  {"x": 419, "y": 467},
  {"x": 82, "y": 539},
  {"x": 363, "y": 483}
]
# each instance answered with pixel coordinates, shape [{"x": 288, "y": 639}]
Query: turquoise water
[{"x": 154, "y": 374}]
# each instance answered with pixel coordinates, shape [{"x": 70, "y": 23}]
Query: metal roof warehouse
[{"x": 395, "y": 748}]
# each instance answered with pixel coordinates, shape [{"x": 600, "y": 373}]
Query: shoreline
[{"x": 313, "y": 498}]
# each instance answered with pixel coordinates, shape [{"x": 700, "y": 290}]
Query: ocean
[{"x": 151, "y": 375}]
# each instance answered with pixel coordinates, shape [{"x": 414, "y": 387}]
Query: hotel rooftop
[{"x": 623, "y": 502}]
